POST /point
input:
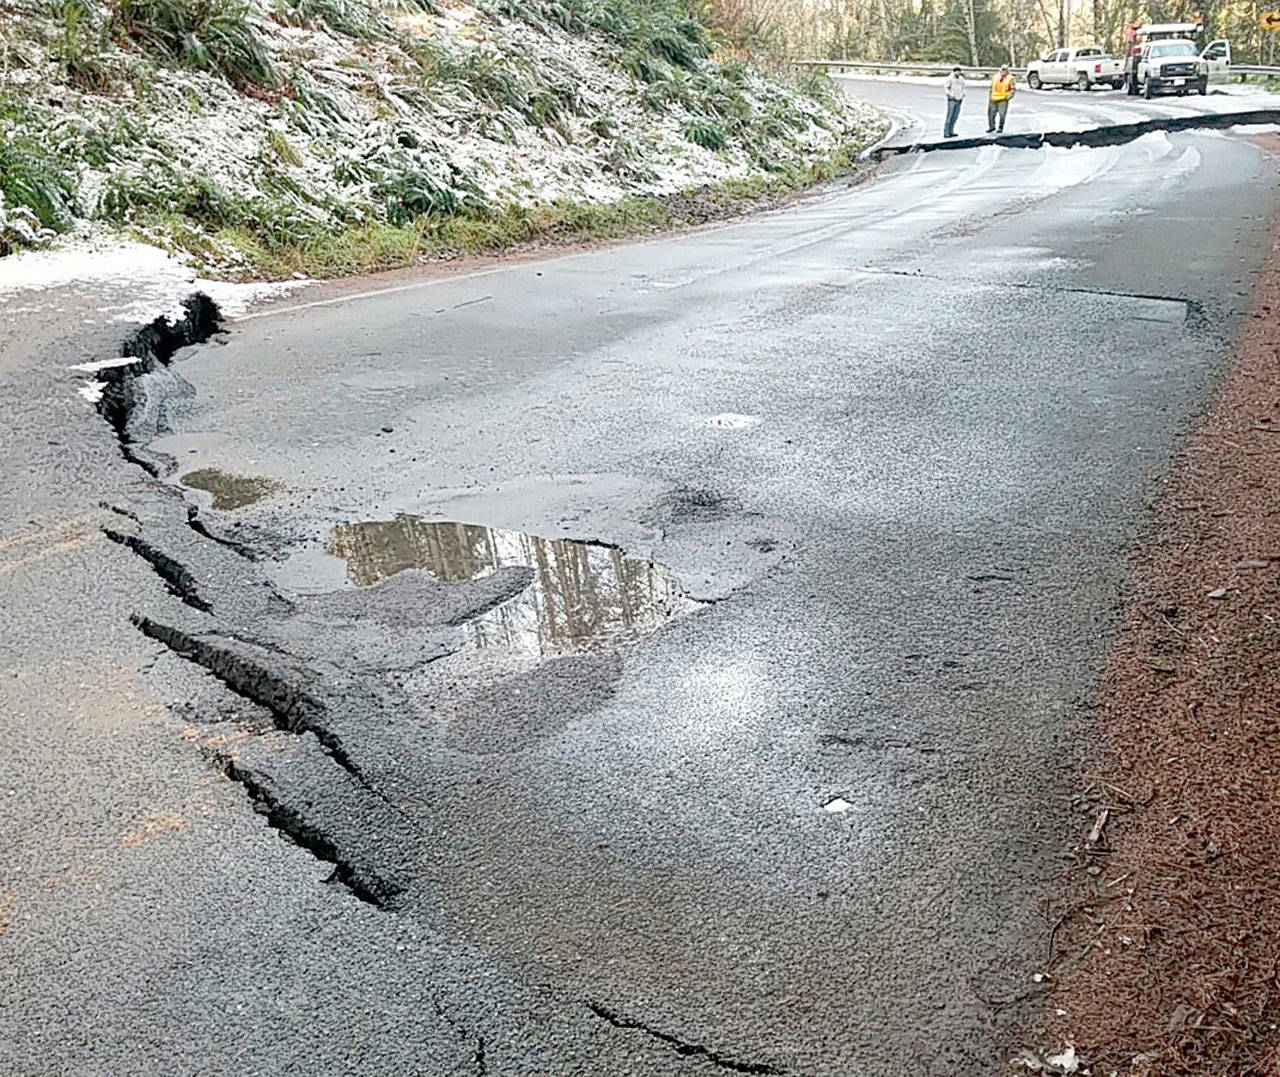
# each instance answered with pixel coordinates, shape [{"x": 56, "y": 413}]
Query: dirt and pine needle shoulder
[{"x": 1165, "y": 942}]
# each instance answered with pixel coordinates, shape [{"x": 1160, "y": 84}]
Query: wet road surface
[{"x": 836, "y": 499}]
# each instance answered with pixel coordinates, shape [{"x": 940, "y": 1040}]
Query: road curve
[
  {"x": 894, "y": 440},
  {"x": 917, "y": 102}
]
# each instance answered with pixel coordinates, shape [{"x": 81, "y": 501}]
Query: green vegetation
[
  {"x": 81, "y": 45},
  {"x": 32, "y": 174},
  {"x": 705, "y": 133},
  {"x": 220, "y": 36},
  {"x": 371, "y": 246},
  {"x": 332, "y": 136}
]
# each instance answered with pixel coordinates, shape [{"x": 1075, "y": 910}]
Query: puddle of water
[
  {"x": 583, "y": 595},
  {"x": 229, "y": 491},
  {"x": 836, "y": 805},
  {"x": 729, "y": 420}
]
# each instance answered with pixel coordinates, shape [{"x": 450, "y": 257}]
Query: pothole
[
  {"x": 836, "y": 805},
  {"x": 229, "y": 491},
  {"x": 583, "y": 595}
]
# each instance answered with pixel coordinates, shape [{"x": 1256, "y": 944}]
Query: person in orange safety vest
[{"x": 1001, "y": 92}]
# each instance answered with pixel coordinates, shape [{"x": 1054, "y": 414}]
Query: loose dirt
[{"x": 1165, "y": 943}]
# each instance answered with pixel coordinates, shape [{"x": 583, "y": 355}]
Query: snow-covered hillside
[{"x": 235, "y": 130}]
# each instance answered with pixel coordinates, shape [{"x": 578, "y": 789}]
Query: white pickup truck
[
  {"x": 1164, "y": 57},
  {"x": 1179, "y": 67},
  {"x": 1083, "y": 68}
]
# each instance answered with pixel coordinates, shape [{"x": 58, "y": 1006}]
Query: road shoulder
[{"x": 1163, "y": 945}]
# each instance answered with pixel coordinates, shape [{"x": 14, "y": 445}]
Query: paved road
[
  {"x": 918, "y": 104},
  {"x": 774, "y": 782}
]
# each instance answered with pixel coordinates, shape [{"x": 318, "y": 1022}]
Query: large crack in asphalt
[
  {"x": 300, "y": 828},
  {"x": 177, "y": 577},
  {"x": 240, "y": 549},
  {"x": 1111, "y": 135},
  {"x": 134, "y": 394},
  {"x": 292, "y": 708},
  {"x": 305, "y": 782},
  {"x": 134, "y": 400}
]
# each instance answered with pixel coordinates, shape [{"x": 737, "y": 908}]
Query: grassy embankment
[{"x": 339, "y": 136}]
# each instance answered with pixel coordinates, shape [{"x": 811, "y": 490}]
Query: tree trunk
[{"x": 971, "y": 25}]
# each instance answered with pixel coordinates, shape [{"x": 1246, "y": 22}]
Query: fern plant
[
  {"x": 708, "y": 134},
  {"x": 32, "y": 177},
  {"x": 221, "y": 36}
]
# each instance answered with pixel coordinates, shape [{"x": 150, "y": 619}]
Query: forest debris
[{"x": 1095, "y": 832}]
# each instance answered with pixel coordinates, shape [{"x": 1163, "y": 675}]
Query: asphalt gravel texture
[{"x": 895, "y": 442}]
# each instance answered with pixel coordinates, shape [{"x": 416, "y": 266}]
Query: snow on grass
[{"x": 425, "y": 115}]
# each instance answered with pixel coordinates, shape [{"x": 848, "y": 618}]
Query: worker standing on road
[
  {"x": 1001, "y": 92},
  {"x": 955, "y": 94}
]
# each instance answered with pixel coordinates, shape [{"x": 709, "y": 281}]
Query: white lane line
[{"x": 396, "y": 289}]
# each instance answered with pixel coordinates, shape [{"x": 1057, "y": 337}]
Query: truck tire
[
  {"x": 1033, "y": 80},
  {"x": 1147, "y": 90},
  {"x": 1082, "y": 82}
]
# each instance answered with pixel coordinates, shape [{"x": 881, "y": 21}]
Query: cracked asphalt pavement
[{"x": 734, "y": 732}]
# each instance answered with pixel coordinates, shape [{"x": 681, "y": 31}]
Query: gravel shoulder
[{"x": 1164, "y": 949}]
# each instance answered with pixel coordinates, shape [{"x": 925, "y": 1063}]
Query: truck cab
[{"x": 1172, "y": 66}]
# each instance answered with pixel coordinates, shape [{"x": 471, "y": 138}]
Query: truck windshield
[{"x": 1173, "y": 48}]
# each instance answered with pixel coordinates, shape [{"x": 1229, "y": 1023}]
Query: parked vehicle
[
  {"x": 1082, "y": 68},
  {"x": 1170, "y": 52},
  {"x": 1172, "y": 67}
]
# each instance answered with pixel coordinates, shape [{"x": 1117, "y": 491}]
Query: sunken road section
[
  {"x": 1112, "y": 135},
  {"x": 136, "y": 394}
]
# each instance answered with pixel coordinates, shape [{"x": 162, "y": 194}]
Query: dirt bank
[{"x": 1165, "y": 945}]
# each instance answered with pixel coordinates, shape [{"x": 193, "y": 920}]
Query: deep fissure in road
[
  {"x": 133, "y": 400},
  {"x": 134, "y": 394},
  {"x": 177, "y": 577},
  {"x": 302, "y": 831},
  {"x": 1094, "y": 137}
]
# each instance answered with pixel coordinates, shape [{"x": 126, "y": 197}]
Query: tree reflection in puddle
[{"x": 583, "y": 594}]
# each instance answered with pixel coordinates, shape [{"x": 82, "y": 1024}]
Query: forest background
[{"x": 977, "y": 32}]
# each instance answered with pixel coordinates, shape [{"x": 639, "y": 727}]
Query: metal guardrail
[{"x": 914, "y": 68}]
